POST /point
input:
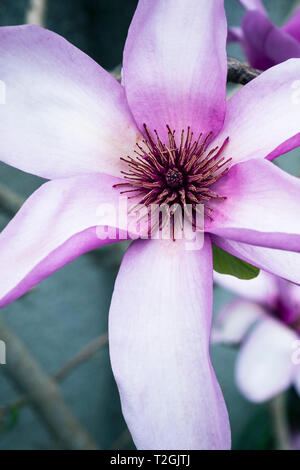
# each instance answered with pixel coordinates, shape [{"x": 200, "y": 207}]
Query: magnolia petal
[
  {"x": 234, "y": 320},
  {"x": 261, "y": 208},
  {"x": 289, "y": 301},
  {"x": 275, "y": 94},
  {"x": 254, "y": 46},
  {"x": 264, "y": 366},
  {"x": 253, "y": 5},
  {"x": 159, "y": 329},
  {"x": 262, "y": 289},
  {"x": 291, "y": 143},
  {"x": 174, "y": 67},
  {"x": 266, "y": 44},
  {"x": 235, "y": 34},
  {"x": 285, "y": 264},
  {"x": 294, "y": 298},
  {"x": 61, "y": 220},
  {"x": 63, "y": 114},
  {"x": 292, "y": 27}
]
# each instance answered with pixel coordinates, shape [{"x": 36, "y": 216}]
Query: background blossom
[{"x": 264, "y": 43}]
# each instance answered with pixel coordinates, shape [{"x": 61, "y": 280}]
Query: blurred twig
[
  {"x": 116, "y": 72},
  {"x": 238, "y": 72},
  {"x": 36, "y": 12},
  {"x": 10, "y": 201},
  {"x": 82, "y": 356},
  {"x": 122, "y": 441},
  {"x": 43, "y": 393},
  {"x": 280, "y": 422}
]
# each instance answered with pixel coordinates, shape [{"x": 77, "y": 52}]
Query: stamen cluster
[{"x": 170, "y": 173}]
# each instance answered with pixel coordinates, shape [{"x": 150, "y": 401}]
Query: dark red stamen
[{"x": 170, "y": 174}]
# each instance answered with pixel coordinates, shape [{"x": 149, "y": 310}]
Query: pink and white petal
[
  {"x": 256, "y": 27},
  {"x": 262, "y": 289},
  {"x": 264, "y": 367},
  {"x": 174, "y": 66},
  {"x": 294, "y": 297},
  {"x": 285, "y": 264},
  {"x": 288, "y": 300},
  {"x": 272, "y": 94},
  {"x": 253, "y": 5},
  {"x": 61, "y": 220},
  {"x": 289, "y": 144},
  {"x": 261, "y": 206},
  {"x": 159, "y": 328},
  {"x": 292, "y": 27},
  {"x": 234, "y": 320},
  {"x": 266, "y": 44},
  {"x": 235, "y": 34},
  {"x": 63, "y": 114}
]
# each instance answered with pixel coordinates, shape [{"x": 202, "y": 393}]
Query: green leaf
[
  {"x": 14, "y": 417},
  {"x": 9, "y": 418},
  {"x": 224, "y": 263}
]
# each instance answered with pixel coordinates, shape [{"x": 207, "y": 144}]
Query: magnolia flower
[
  {"x": 264, "y": 43},
  {"x": 265, "y": 320},
  {"x": 68, "y": 120}
]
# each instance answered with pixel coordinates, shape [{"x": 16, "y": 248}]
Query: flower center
[
  {"x": 171, "y": 173},
  {"x": 174, "y": 178}
]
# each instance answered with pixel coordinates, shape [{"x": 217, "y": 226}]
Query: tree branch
[
  {"x": 82, "y": 356},
  {"x": 10, "y": 201},
  {"x": 43, "y": 393},
  {"x": 36, "y": 12},
  {"x": 239, "y": 72},
  {"x": 280, "y": 421}
]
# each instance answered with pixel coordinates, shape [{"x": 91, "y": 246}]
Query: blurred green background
[{"x": 70, "y": 308}]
